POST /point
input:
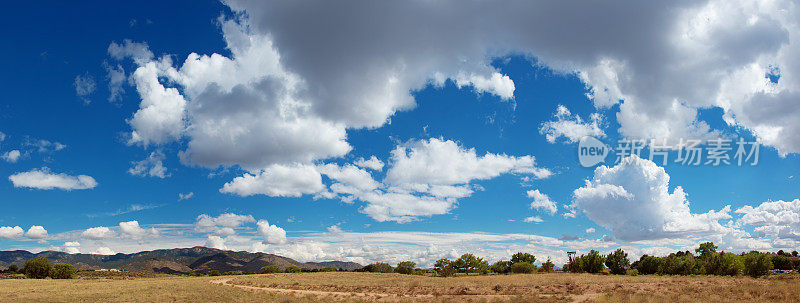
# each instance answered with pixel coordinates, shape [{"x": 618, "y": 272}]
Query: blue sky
[{"x": 122, "y": 132}]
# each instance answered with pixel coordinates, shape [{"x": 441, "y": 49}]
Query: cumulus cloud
[
  {"x": 272, "y": 234},
  {"x": 152, "y": 166},
  {"x": 632, "y": 199},
  {"x": 98, "y": 233},
  {"x": 571, "y": 127},
  {"x": 46, "y": 180},
  {"x": 542, "y": 202},
  {"x": 223, "y": 224},
  {"x": 277, "y": 181},
  {"x": 12, "y": 156},
  {"x": 36, "y": 232},
  {"x": 216, "y": 242},
  {"x": 103, "y": 251},
  {"x": 132, "y": 230},
  {"x": 71, "y": 247},
  {"x": 8, "y": 232},
  {"x": 372, "y": 163},
  {"x": 778, "y": 219}
]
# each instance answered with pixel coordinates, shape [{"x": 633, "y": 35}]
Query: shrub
[
  {"x": 592, "y": 262},
  {"x": 406, "y": 267},
  {"x": 547, "y": 266},
  {"x": 677, "y": 265},
  {"x": 575, "y": 265},
  {"x": 469, "y": 263},
  {"x": 444, "y": 268},
  {"x": 756, "y": 264},
  {"x": 379, "y": 267},
  {"x": 648, "y": 265},
  {"x": 523, "y": 257},
  {"x": 214, "y": 273},
  {"x": 63, "y": 271},
  {"x": 328, "y": 269},
  {"x": 523, "y": 268},
  {"x": 617, "y": 262},
  {"x": 292, "y": 269},
  {"x": 270, "y": 269},
  {"x": 37, "y": 268},
  {"x": 729, "y": 265},
  {"x": 632, "y": 272},
  {"x": 782, "y": 262},
  {"x": 12, "y": 268}
]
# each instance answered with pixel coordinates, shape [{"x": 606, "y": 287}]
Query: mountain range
[{"x": 177, "y": 260}]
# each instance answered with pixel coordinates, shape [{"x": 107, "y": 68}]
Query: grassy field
[{"x": 361, "y": 287}]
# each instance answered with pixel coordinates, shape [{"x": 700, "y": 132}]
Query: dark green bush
[
  {"x": 328, "y": 269},
  {"x": 37, "y": 268},
  {"x": 617, "y": 262},
  {"x": 406, "y": 267},
  {"x": 756, "y": 264},
  {"x": 270, "y": 269},
  {"x": 63, "y": 271},
  {"x": 214, "y": 273},
  {"x": 292, "y": 269},
  {"x": 523, "y": 268},
  {"x": 547, "y": 266}
]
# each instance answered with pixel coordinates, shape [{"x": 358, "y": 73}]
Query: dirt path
[{"x": 381, "y": 296}]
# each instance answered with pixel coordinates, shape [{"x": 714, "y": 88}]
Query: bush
[
  {"x": 592, "y": 262},
  {"x": 270, "y": 269},
  {"x": 406, "y": 267},
  {"x": 37, "y": 268},
  {"x": 648, "y": 265},
  {"x": 328, "y": 269},
  {"x": 63, "y": 271},
  {"x": 523, "y": 268},
  {"x": 729, "y": 265},
  {"x": 501, "y": 267},
  {"x": 575, "y": 265},
  {"x": 292, "y": 269},
  {"x": 756, "y": 264},
  {"x": 379, "y": 267},
  {"x": 468, "y": 263},
  {"x": 782, "y": 262},
  {"x": 444, "y": 268},
  {"x": 523, "y": 257},
  {"x": 214, "y": 273},
  {"x": 12, "y": 268},
  {"x": 547, "y": 266},
  {"x": 632, "y": 272},
  {"x": 677, "y": 265},
  {"x": 617, "y": 262}
]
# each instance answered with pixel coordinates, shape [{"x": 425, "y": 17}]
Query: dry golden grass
[{"x": 323, "y": 287}]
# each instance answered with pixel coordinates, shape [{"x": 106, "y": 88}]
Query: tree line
[{"x": 40, "y": 268}]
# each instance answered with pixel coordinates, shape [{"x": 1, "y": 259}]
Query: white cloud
[
  {"x": 8, "y": 232},
  {"x": 45, "y": 146},
  {"x": 84, "y": 86},
  {"x": 334, "y": 229},
  {"x": 277, "y": 181},
  {"x": 216, "y": 242},
  {"x": 272, "y": 234},
  {"x": 36, "y": 232},
  {"x": 71, "y": 247},
  {"x": 633, "y": 200},
  {"x": 98, "y": 233},
  {"x": 139, "y": 52},
  {"x": 534, "y": 219},
  {"x": 778, "y": 219},
  {"x": 115, "y": 75},
  {"x": 152, "y": 166},
  {"x": 542, "y": 202},
  {"x": 590, "y": 230},
  {"x": 372, "y": 163},
  {"x": 186, "y": 196},
  {"x": 103, "y": 251},
  {"x": 132, "y": 230},
  {"x": 12, "y": 156},
  {"x": 223, "y": 224},
  {"x": 44, "y": 179},
  {"x": 571, "y": 127}
]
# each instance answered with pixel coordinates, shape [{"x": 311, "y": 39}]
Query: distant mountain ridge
[{"x": 176, "y": 260}]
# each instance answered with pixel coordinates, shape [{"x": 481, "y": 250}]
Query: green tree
[
  {"x": 444, "y": 267},
  {"x": 214, "y": 273},
  {"x": 648, "y": 265},
  {"x": 379, "y": 267},
  {"x": 37, "y": 268},
  {"x": 617, "y": 262},
  {"x": 63, "y": 271},
  {"x": 756, "y": 264},
  {"x": 468, "y": 263},
  {"x": 593, "y": 262},
  {"x": 523, "y": 268},
  {"x": 328, "y": 269},
  {"x": 13, "y": 268},
  {"x": 292, "y": 269},
  {"x": 270, "y": 269},
  {"x": 501, "y": 267},
  {"x": 523, "y": 257},
  {"x": 782, "y": 262},
  {"x": 547, "y": 266},
  {"x": 730, "y": 265},
  {"x": 706, "y": 250},
  {"x": 575, "y": 265},
  {"x": 405, "y": 267}
]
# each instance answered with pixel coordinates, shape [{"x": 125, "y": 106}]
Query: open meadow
[{"x": 367, "y": 287}]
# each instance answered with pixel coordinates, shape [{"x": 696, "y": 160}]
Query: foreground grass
[{"x": 330, "y": 286}]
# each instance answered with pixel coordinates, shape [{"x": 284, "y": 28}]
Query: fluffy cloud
[
  {"x": 542, "y": 202},
  {"x": 272, "y": 234},
  {"x": 277, "y": 181},
  {"x": 98, "y": 233},
  {"x": 44, "y": 179},
  {"x": 103, "y": 251},
  {"x": 36, "y": 232},
  {"x": 84, "y": 86},
  {"x": 571, "y": 127},
  {"x": 216, "y": 242},
  {"x": 132, "y": 230},
  {"x": 533, "y": 219},
  {"x": 11, "y": 156},
  {"x": 633, "y": 200},
  {"x": 152, "y": 166},
  {"x": 71, "y": 247},
  {"x": 778, "y": 219},
  {"x": 222, "y": 225},
  {"x": 372, "y": 163},
  {"x": 8, "y": 232}
]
